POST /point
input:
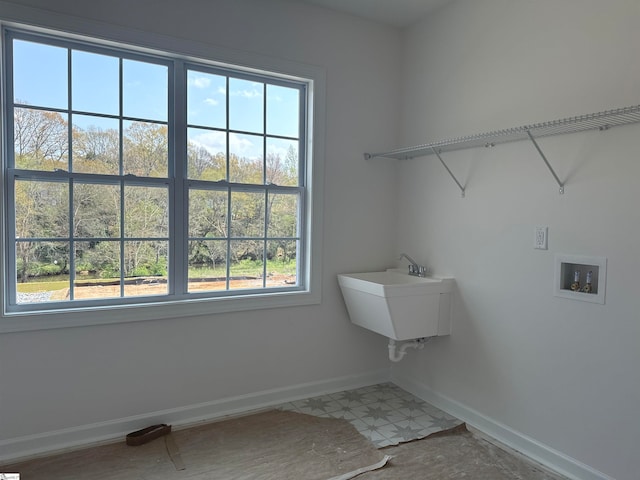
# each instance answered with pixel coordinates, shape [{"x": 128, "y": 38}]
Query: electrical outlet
[{"x": 540, "y": 238}]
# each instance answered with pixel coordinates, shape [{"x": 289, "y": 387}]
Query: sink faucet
[{"x": 414, "y": 269}]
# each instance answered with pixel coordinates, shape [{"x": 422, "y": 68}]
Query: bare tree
[{"x": 40, "y": 139}]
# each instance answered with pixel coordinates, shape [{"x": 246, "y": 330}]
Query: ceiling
[{"x": 398, "y": 13}]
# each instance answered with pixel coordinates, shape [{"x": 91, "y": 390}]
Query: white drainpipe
[{"x": 395, "y": 355}]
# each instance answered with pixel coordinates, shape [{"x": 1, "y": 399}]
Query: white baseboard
[
  {"x": 527, "y": 446},
  {"x": 47, "y": 443}
]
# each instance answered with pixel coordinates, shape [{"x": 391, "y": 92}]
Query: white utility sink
[{"x": 398, "y": 305}]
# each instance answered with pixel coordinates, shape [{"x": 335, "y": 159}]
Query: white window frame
[{"x": 191, "y": 305}]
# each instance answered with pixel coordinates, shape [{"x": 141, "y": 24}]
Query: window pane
[
  {"x": 145, "y": 268},
  {"x": 206, "y": 154},
  {"x": 283, "y": 111},
  {"x": 145, "y": 149},
  {"x": 96, "y": 210},
  {"x": 207, "y": 265},
  {"x": 42, "y": 271},
  {"x": 96, "y": 145},
  {"x": 246, "y": 267},
  {"x": 247, "y": 214},
  {"x": 40, "y": 75},
  {"x": 95, "y": 83},
  {"x": 97, "y": 267},
  {"x": 146, "y": 212},
  {"x": 207, "y": 214},
  {"x": 42, "y": 209},
  {"x": 41, "y": 140},
  {"x": 97, "y": 264},
  {"x": 145, "y": 90},
  {"x": 281, "y": 263},
  {"x": 245, "y": 159},
  {"x": 283, "y": 215},
  {"x": 282, "y": 162},
  {"x": 206, "y": 99},
  {"x": 246, "y": 105}
]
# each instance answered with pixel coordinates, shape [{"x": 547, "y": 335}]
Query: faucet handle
[{"x": 418, "y": 270}]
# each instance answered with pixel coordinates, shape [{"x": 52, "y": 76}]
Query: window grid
[
  {"x": 177, "y": 183},
  {"x": 230, "y": 187}
]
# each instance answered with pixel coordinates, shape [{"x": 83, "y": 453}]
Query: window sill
[{"x": 82, "y": 317}]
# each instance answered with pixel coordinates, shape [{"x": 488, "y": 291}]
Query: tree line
[{"x": 47, "y": 212}]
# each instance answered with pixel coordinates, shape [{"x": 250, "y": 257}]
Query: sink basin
[
  {"x": 392, "y": 283},
  {"x": 398, "y": 305}
]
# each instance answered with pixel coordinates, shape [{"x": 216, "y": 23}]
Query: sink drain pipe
[{"x": 397, "y": 354}]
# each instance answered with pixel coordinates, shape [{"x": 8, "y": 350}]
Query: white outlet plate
[{"x": 540, "y": 238}]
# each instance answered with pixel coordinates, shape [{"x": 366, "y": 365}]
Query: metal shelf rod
[
  {"x": 449, "y": 171},
  {"x": 594, "y": 121},
  {"x": 535, "y": 144}
]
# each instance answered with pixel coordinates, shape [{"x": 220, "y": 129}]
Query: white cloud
[
  {"x": 248, "y": 93},
  {"x": 200, "y": 82},
  {"x": 277, "y": 150},
  {"x": 242, "y": 146},
  {"x": 280, "y": 147},
  {"x": 211, "y": 101},
  {"x": 214, "y": 142}
]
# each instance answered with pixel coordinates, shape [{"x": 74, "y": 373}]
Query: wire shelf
[{"x": 593, "y": 121}]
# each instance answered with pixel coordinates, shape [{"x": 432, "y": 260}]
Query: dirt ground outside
[{"x": 154, "y": 286}]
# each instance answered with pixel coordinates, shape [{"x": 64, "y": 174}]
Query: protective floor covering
[
  {"x": 287, "y": 445},
  {"x": 291, "y": 444},
  {"x": 384, "y": 413},
  {"x": 274, "y": 445},
  {"x": 455, "y": 454}
]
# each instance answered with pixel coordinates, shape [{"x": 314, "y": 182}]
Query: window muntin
[{"x": 118, "y": 167}]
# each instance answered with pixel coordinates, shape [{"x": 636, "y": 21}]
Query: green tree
[
  {"x": 96, "y": 150},
  {"x": 145, "y": 150},
  {"x": 203, "y": 165}
]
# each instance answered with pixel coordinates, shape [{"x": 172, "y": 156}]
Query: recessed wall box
[{"x": 580, "y": 277}]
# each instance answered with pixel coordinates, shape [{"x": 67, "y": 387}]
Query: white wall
[
  {"x": 52, "y": 380},
  {"x": 560, "y": 372}
]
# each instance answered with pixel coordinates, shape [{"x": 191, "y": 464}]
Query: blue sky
[{"x": 41, "y": 78}]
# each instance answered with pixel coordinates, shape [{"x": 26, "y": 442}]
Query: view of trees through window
[{"x": 109, "y": 202}]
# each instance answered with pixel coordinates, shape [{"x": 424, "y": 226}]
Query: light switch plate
[{"x": 540, "y": 238}]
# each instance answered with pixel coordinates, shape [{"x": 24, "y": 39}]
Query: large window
[{"x": 134, "y": 178}]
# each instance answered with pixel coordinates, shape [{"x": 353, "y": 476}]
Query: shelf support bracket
[
  {"x": 535, "y": 144},
  {"x": 449, "y": 171}
]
